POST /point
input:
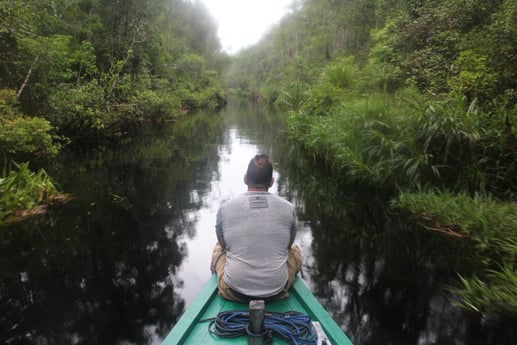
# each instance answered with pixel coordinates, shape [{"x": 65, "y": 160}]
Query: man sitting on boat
[{"x": 255, "y": 257}]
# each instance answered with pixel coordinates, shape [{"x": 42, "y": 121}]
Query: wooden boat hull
[{"x": 189, "y": 330}]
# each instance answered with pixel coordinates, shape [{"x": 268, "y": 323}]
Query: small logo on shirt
[{"x": 258, "y": 201}]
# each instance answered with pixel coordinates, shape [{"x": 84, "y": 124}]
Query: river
[{"x": 122, "y": 260}]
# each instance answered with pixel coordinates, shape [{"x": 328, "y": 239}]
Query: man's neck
[{"x": 251, "y": 189}]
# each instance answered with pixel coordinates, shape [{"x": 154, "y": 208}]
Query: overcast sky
[{"x": 243, "y": 22}]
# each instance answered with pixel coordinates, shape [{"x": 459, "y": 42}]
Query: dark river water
[{"x": 119, "y": 263}]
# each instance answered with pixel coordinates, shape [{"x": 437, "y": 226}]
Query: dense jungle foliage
[
  {"x": 87, "y": 69},
  {"x": 413, "y": 102}
]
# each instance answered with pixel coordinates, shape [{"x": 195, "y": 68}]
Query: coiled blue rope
[{"x": 292, "y": 326}]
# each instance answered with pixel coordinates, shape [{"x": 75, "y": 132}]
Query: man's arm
[
  {"x": 219, "y": 230},
  {"x": 293, "y": 230}
]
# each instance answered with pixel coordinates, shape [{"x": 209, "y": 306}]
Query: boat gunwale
[{"x": 188, "y": 321}]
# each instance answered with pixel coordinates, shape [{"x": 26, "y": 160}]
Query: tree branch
[{"x": 27, "y": 77}]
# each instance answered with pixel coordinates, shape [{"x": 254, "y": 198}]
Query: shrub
[
  {"x": 341, "y": 72},
  {"x": 78, "y": 109},
  {"x": 294, "y": 95},
  {"x": 474, "y": 79},
  {"x": 22, "y": 192},
  {"x": 149, "y": 105},
  {"x": 23, "y": 134}
]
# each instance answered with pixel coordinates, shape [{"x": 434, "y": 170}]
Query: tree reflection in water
[
  {"x": 102, "y": 269},
  {"x": 384, "y": 278}
]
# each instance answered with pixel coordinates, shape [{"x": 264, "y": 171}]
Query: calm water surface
[{"x": 120, "y": 263}]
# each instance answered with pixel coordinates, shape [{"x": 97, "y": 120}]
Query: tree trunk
[{"x": 26, "y": 80}]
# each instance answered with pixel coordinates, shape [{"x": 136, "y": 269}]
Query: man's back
[{"x": 258, "y": 229}]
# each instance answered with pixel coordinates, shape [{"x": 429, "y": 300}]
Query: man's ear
[
  {"x": 272, "y": 181},
  {"x": 246, "y": 179}
]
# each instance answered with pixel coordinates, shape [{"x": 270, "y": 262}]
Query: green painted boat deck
[{"x": 189, "y": 330}]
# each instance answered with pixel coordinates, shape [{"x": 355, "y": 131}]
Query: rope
[{"x": 292, "y": 326}]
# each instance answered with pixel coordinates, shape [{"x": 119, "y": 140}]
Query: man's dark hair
[{"x": 260, "y": 172}]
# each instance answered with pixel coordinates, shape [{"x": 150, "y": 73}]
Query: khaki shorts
[{"x": 294, "y": 265}]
